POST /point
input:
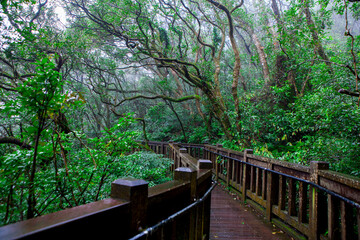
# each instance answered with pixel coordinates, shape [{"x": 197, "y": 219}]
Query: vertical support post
[
  {"x": 263, "y": 185},
  {"x": 303, "y": 202},
  {"x": 333, "y": 217},
  {"x": 136, "y": 192},
  {"x": 272, "y": 191},
  {"x": 203, "y": 211},
  {"x": 162, "y": 149},
  {"x": 228, "y": 171},
  {"x": 347, "y": 221},
  {"x": 258, "y": 184},
  {"x": 217, "y": 166},
  {"x": 182, "y": 150},
  {"x": 270, "y": 194},
  {"x": 282, "y": 192},
  {"x": 246, "y": 175},
  {"x": 204, "y": 164},
  {"x": 317, "y": 202},
  {"x": 188, "y": 174},
  {"x": 292, "y": 197},
  {"x": 171, "y": 152},
  {"x": 252, "y": 178}
]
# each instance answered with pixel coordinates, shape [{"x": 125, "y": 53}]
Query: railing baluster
[
  {"x": 318, "y": 202},
  {"x": 228, "y": 171},
  {"x": 258, "y": 182},
  {"x": 347, "y": 226},
  {"x": 241, "y": 174},
  {"x": 303, "y": 202},
  {"x": 252, "y": 178},
  {"x": 282, "y": 192},
  {"x": 333, "y": 217},
  {"x": 272, "y": 193},
  {"x": 264, "y": 178},
  {"x": 292, "y": 197},
  {"x": 233, "y": 170},
  {"x": 246, "y": 175}
]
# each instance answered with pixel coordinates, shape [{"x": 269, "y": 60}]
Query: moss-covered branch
[{"x": 182, "y": 99}]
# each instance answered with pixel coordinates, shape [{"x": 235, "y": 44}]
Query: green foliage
[
  {"x": 58, "y": 187},
  {"x": 39, "y": 93},
  {"x": 73, "y": 169}
]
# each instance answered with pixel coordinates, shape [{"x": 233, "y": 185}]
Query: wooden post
[
  {"x": 272, "y": 191},
  {"x": 228, "y": 171},
  {"x": 136, "y": 192},
  {"x": 263, "y": 185},
  {"x": 333, "y": 217},
  {"x": 204, "y": 164},
  {"x": 347, "y": 221},
  {"x": 317, "y": 222},
  {"x": 182, "y": 150},
  {"x": 246, "y": 175},
  {"x": 203, "y": 210},
  {"x": 188, "y": 174},
  {"x": 303, "y": 193},
  {"x": 217, "y": 170},
  {"x": 292, "y": 197},
  {"x": 282, "y": 192}
]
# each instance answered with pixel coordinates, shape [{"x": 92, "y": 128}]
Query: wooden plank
[
  {"x": 258, "y": 182},
  {"x": 282, "y": 192},
  {"x": 264, "y": 177},
  {"x": 303, "y": 193},
  {"x": 292, "y": 197},
  {"x": 333, "y": 217},
  {"x": 340, "y": 188},
  {"x": 347, "y": 221},
  {"x": 252, "y": 178}
]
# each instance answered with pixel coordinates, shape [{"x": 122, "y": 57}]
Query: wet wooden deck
[{"x": 232, "y": 220}]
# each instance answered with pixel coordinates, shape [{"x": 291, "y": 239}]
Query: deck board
[{"x": 232, "y": 220}]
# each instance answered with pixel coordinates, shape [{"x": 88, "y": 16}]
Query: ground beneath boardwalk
[{"x": 232, "y": 220}]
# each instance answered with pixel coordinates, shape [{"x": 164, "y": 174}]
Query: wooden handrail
[
  {"x": 132, "y": 207},
  {"x": 306, "y": 201}
]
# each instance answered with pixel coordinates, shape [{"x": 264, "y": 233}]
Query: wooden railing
[
  {"x": 308, "y": 202},
  {"x": 134, "y": 207}
]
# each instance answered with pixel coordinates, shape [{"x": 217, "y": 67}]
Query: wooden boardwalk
[{"x": 232, "y": 220}]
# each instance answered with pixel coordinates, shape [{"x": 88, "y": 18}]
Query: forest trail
[{"x": 232, "y": 220}]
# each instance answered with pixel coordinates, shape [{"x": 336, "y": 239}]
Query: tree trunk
[
  {"x": 31, "y": 198},
  {"x": 260, "y": 51},
  {"x": 315, "y": 35}
]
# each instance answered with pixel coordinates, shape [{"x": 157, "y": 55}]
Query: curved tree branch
[
  {"x": 347, "y": 92},
  {"x": 12, "y": 140},
  {"x": 159, "y": 96}
]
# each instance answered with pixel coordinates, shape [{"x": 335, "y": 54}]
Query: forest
[{"x": 82, "y": 82}]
